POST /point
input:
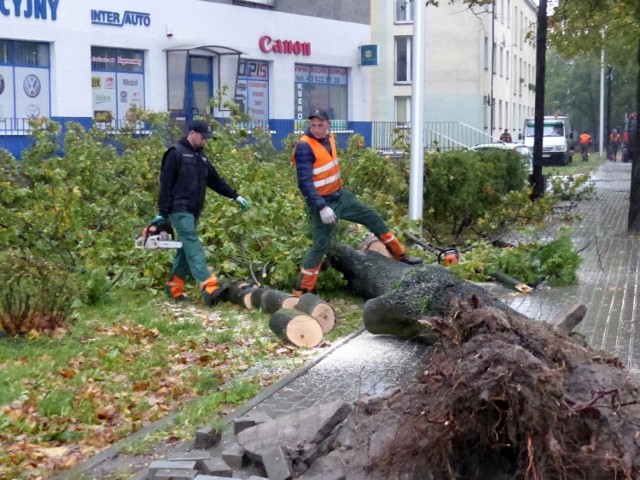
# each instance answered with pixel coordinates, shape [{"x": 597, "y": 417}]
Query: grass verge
[{"x": 128, "y": 362}]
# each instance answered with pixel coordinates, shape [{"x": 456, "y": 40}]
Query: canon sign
[{"x": 288, "y": 47}]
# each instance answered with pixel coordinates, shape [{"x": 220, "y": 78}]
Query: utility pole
[
  {"x": 537, "y": 180},
  {"x": 416, "y": 171},
  {"x": 608, "y": 127}
]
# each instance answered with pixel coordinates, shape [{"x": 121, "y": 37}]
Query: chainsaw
[{"x": 157, "y": 237}]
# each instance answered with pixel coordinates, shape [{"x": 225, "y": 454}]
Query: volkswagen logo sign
[
  {"x": 31, "y": 86},
  {"x": 1, "y": 84}
]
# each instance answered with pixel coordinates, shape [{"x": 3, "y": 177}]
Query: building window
[
  {"x": 404, "y": 11},
  {"x": 252, "y": 89},
  {"x": 493, "y": 58},
  {"x": 117, "y": 83},
  {"x": 24, "y": 84},
  {"x": 403, "y": 59},
  {"x": 486, "y": 53},
  {"x": 403, "y": 109},
  {"x": 321, "y": 86},
  {"x": 507, "y": 61}
]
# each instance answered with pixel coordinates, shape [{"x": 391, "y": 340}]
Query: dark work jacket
[
  {"x": 305, "y": 158},
  {"x": 185, "y": 175}
]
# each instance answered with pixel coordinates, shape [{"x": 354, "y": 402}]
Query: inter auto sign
[{"x": 117, "y": 19}]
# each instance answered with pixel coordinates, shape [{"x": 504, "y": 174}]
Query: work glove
[
  {"x": 244, "y": 205},
  {"x": 328, "y": 216},
  {"x": 159, "y": 220}
]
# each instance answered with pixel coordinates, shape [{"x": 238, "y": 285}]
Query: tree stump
[
  {"x": 240, "y": 293},
  {"x": 318, "y": 309},
  {"x": 373, "y": 244},
  {"x": 296, "y": 327},
  {"x": 272, "y": 300}
]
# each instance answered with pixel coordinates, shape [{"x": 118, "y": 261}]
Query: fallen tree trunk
[{"x": 400, "y": 295}]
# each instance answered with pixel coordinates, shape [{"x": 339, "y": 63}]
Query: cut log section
[
  {"x": 373, "y": 244},
  {"x": 272, "y": 300},
  {"x": 318, "y": 309},
  {"x": 240, "y": 293},
  {"x": 256, "y": 297},
  {"x": 296, "y": 327}
]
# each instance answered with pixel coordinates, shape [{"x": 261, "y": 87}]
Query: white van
[{"x": 556, "y": 140}]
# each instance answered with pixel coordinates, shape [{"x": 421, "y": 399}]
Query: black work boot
[
  {"x": 409, "y": 260},
  {"x": 212, "y": 299}
]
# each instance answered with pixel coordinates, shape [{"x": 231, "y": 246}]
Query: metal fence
[{"x": 390, "y": 138}]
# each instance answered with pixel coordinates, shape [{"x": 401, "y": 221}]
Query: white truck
[{"x": 557, "y": 136}]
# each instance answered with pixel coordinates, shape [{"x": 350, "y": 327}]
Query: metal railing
[
  {"x": 391, "y": 138},
  {"x": 15, "y": 126}
]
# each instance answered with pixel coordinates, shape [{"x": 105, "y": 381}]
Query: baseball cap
[
  {"x": 319, "y": 113},
  {"x": 202, "y": 128}
]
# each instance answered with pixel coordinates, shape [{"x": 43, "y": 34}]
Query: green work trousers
[
  {"x": 349, "y": 208},
  {"x": 190, "y": 260}
]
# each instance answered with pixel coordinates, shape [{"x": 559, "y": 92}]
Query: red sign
[{"x": 287, "y": 47}]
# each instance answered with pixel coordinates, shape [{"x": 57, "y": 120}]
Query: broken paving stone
[
  {"x": 249, "y": 420},
  {"x": 216, "y": 467},
  {"x": 198, "y": 456},
  {"x": 207, "y": 437},
  {"x": 306, "y": 427},
  {"x": 235, "y": 456},
  {"x": 158, "y": 465},
  {"x": 276, "y": 463},
  {"x": 173, "y": 474},
  {"x": 213, "y": 477}
]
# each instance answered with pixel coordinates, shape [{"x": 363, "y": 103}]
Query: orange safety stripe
[{"x": 326, "y": 168}]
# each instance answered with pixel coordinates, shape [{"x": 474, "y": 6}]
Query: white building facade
[
  {"x": 479, "y": 68},
  {"x": 84, "y": 60}
]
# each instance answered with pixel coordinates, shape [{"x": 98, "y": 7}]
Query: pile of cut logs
[{"x": 303, "y": 321}]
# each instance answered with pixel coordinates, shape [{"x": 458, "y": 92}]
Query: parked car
[{"x": 527, "y": 156}]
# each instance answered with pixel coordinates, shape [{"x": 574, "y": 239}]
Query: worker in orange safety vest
[{"x": 319, "y": 180}]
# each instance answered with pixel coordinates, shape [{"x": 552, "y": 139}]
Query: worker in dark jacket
[
  {"x": 316, "y": 160},
  {"x": 185, "y": 175}
]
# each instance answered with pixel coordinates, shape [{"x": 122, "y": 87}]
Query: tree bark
[
  {"x": 272, "y": 300},
  {"x": 240, "y": 293},
  {"x": 399, "y": 295},
  {"x": 633, "y": 224}
]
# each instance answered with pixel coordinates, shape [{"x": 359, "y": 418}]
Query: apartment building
[
  {"x": 82, "y": 61},
  {"x": 479, "y": 67}
]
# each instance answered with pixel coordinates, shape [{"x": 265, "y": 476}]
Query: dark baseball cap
[
  {"x": 202, "y": 128},
  {"x": 319, "y": 113}
]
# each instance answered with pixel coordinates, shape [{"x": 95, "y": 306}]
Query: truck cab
[
  {"x": 629, "y": 140},
  {"x": 557, "y": 139}
]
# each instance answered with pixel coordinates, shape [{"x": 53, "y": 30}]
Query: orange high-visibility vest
[
  {"x": 326, "y": 169},
  {"x": 585, "y": 138}
]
